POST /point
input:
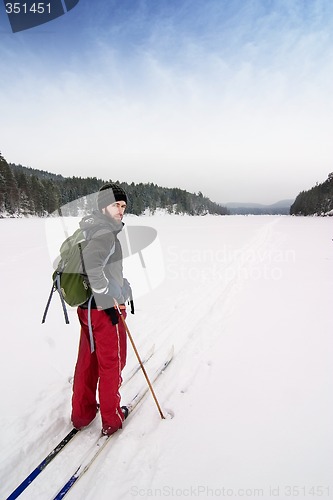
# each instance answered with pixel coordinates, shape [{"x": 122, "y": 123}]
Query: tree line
[
  {"x": 315, "y": 201},
  {"x": 26, "y": 191}
]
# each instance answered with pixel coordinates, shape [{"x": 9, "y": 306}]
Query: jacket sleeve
[{"x": 95, "y": 256}]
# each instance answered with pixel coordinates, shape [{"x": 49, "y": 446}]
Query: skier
[{"x": 100, "y": 318}]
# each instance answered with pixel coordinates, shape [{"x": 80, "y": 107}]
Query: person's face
[{"x": 115, "y": 210}]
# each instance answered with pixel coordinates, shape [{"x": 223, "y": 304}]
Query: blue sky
[{"x": 232, "y": 98}]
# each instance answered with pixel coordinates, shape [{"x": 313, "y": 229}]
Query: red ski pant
[{"x": 104, "y": 365}]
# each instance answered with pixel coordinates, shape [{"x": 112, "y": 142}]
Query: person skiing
[{"x": 103, "y": 343}]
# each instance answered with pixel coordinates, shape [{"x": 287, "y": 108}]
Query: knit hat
[{"x": 109, "y": 193}]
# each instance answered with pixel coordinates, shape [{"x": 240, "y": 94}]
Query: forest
[
  {"x": 25, "y": 191},
  {"x": 315, "y": 201}
]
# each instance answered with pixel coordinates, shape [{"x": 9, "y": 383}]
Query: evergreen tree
[
  {"x": 10, "y": 192},
  {"x": 316, "y": 201},
  {"x": 25, "y": 205},
  {"x": 37, "y": 196}
]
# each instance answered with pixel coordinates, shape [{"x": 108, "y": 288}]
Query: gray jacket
[{"x": 103, "y": 258}]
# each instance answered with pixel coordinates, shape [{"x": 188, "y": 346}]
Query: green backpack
[{"x": 70, "y": 278}]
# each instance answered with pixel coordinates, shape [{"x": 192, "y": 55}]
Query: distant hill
[{"x": 281, "y": 207}]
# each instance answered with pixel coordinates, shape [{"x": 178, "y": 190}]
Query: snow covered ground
[{"x": 247, "y": 303}]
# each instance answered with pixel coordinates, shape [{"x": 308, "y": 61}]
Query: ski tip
[
  {"x": 171, "y": 352},
  {"x": 170, "y": 355}
]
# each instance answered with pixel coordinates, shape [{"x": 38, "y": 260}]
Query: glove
[
  {"x": 113, "y": 315},
  {"x": 105, "y": 301}
]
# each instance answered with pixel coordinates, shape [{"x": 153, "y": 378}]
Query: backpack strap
[
  {"x": 56, "y": 286},
  {"x": 48, "y": 302},
  {"x": 82, "y": 261},
  {"x": 91, "y": 337}
]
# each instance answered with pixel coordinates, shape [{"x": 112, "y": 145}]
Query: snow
[{"x": 247, "y": 304}]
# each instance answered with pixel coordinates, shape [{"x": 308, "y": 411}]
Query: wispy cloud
[{"x": 202, "y": 97}]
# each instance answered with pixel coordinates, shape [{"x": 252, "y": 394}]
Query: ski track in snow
[{"x": 197, "y": 314}]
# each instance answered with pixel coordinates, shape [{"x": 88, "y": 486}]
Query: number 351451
[{"x": 23, "y": 8}]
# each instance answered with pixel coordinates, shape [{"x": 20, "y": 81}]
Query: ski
[
  {"x": 137, "y": 367},
  {"x": 64, "y": 442},
  {"x": 102, "y": 441},
  {"x": 28, "y": 480}
]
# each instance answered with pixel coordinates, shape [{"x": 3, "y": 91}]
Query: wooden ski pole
[{"x": 139, "y": 359}]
